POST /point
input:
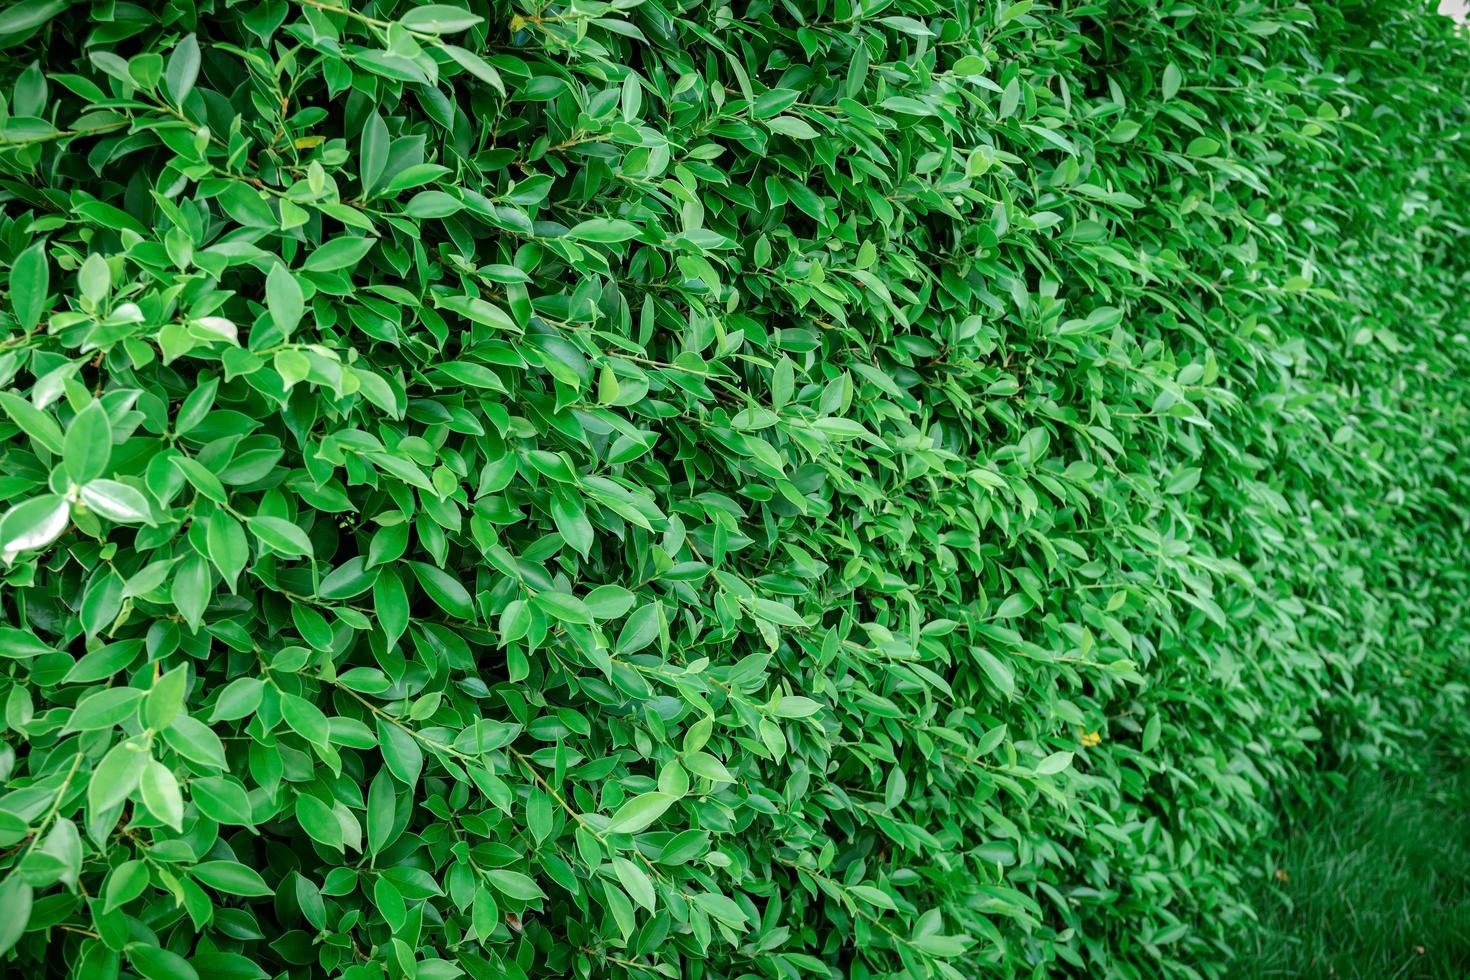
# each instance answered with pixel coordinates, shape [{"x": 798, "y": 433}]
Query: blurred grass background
[{"x": 1376, "y": 886}]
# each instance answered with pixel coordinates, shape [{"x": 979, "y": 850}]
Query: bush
[{"x": 786, "y": 490}]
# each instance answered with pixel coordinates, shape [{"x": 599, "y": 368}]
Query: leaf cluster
[{"x": 804, "y": 489}]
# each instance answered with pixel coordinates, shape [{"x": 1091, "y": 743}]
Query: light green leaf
[
  {"x": 161, "y": 794},
  {"x": 116, "y": 502},
  {"x": 117, "y": 775},
  {"x": 514, "y": 884},
  {"x": 437, "y": 18},
  {"x": 280, "y": 535},
  {"x": 29, "y": 283},
  {"x": 166, "y": 698},
  {"x": 231, "y": 878},
  {"x": 444, "y": 589},
  {"x": 88, "y": 443},
  {"x": 183, "y": 69},
  {"x": 639, "y": 813},
  {"x": 283, "y": 299},
  {"x": 15, "y": 911},
  {"x": 796, "y": 707},
  {"x": 606, "y": 230},
  {"x": 32, "y": 525}
]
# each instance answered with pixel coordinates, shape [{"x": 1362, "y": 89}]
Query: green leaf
[
  {"x": 200, "y": 478},
  {"x": 999, "y": 673},
  {"x": 283, "y": 299},
  {"x": 636, "y": 882},
  {"x": 190, "y": 591},
  {"x": 382, "y": 811},
  {"x": 793, "y": 126},
  {"x": 126, "y": 882},
  {"x": 433, "y": 204},
  {"x": 639, "y": 813},
  {"x": 32, "y": 525},
  {"x": 88, "y": 443},
  {"x": 94, "y": 279},
  {"x": 306, "y": 719},
  {"x": 347, "y": 580},
  {"x": 156, "y": 963},
  {"x": 222, "y": 800},
  {"x": 231, "y": 878},
  {"x": 1172, "y": 80},
  {"x": 183, "y": 69},
  {"x": 41, "y": 427},
  {"x": 1012, "y": 11},
  {"x": 390, "y": 602},
  {"x": 1151, "y": 732},
  {"x": 907, "y": 25},
  {"x": 476, "y": 66},
  {"x": 609, "y": 601},
  {"x": 148, "y": 578},
  {"x": 604, "y": 230},
  {"x": 227, "y": 966},
  {"x": 706, "y": 765},
  {"x": 774, "y": 101},
  {"x": 292, "y": 365},
  {"x": 104, "y": 709},
  {"x": 514, "y": 884},
  {"x": 570, "y": 517},
  {"x": 796, "y": 707},
  {"x": 228, "y": 547},
  {"x": 280, "y": 535},
  {"x": 437, "y": 18},
  {"x": 446, "y": 591},
  {"x": 1202, "y": 146},
  {"x": 873, "y": 896},
  {"x": 1184, "y": 481},
  {"x": 29, "y": 285},
  {"x": 480, "y": 311},
  {"x": 116, "y": 501},
  {"x": 564, "y": 608},
  {"x": 722, "y": 908},
  {"x": 19, "y": 20},
  {"x": 401, "y": 753},
  {"x": 373, "y": 158},
  {"x": 194, "y": 740},
  {"x": 641, "y": 629},
  {"x": 15, "y": 911},
  {"x": 941, "y": 946},
  {"x": 340, "y": 253},
  {"x": 969, "y": 65},
  {"x": 474, "y": 375},
  {"x": 21, "y": 644},
  {"x": 776, "y": 612},
  {"x": 319, "y": 822},
  {"x": 161, "y": 794},
  {"x": 166, "y": 698},
  {"x": 117, "y": 775}
]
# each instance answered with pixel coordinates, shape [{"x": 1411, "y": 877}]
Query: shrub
[{"x": 783, "y": 490}]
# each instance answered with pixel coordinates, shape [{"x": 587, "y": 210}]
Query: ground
[{"x": 1377, "y": 886}]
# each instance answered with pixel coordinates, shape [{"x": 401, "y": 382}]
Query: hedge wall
[{"x": 656, "y": 489}]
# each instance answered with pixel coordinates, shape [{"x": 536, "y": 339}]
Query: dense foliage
[{"x": 791, "y": 489}]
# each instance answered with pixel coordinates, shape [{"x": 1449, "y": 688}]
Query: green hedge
[{"x": 781, "y": 490}]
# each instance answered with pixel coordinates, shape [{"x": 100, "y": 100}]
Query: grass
[{"x": 1376, "y": 886}]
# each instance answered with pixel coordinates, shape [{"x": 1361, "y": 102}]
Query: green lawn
[{"x": 1377, "y": 886}]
